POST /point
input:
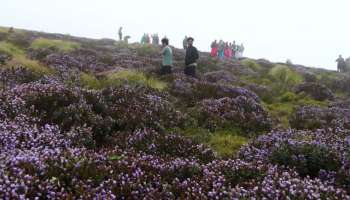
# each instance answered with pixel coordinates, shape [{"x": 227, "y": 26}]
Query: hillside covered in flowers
[{"x": 93, "y": 119}]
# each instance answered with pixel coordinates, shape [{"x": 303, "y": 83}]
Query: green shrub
[
  {"x": 288, "y": 97},
  {"x": 251, "y": 64},
  {"x": 89, "y": 81},
  {"x": 32, "y": 65},
  {"x": 284, "y": 76},
  {"x": 133, "y": 78},
  {"x": 20, "y": 60},
  {"x": 60, "y": 45},
  {"x": 308, "y": 159},
  {"x": 19, "y": 38},
  {"x": 226, "y": 143},
  {"x": 10, "y": 49},
  {"x": 146, "y": 50}
]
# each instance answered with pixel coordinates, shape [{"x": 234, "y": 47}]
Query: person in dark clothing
[
  {"x": 341, "y": 64},
  {"x": 191, "y": 58}
]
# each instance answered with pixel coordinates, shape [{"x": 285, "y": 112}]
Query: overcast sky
[{"x": 309, "y": 32}]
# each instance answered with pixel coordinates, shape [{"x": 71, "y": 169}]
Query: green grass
[
  {"x": 226, "y": 143},
  {"x": 89, "y": 81},
  {"x": 9, "y": 48},
  {"x": 283, "y": 108},
  {"x": 4, "y": 29},
  {"x": 60, "y": 45},
  {"x": 133, "y": 78},
  {"x": 19, "y": 59},
  {"x": 32, "y": 65}
]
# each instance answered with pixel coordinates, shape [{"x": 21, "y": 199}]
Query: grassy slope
[{"x": 280, "y": 78}]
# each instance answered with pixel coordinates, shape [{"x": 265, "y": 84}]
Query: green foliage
[
  {"x": 282, "y": 109},
  {"x": 146, "y": 50},
  {"x": 133, "y": 78},
  {"x": 288, "y": 97},
  {"x": 89, "y": 81},
  {"x": 20, "y": 60},
  {"x": 19, "y": 38},
  {"x": 227, "y": 143},
  {"x": 10, "y": 49},
  {"x": 308, "y": 159},
  {"x": 284, "y": 77},
  {"x": 251, "y": 64},
  {"x": 60, "y": 45}
]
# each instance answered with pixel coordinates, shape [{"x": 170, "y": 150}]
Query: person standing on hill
[
  {"x": 155, "y": 39},
  {"x": 120, "y": 33},
  {"x": 184, "y": 43},
  {"x": 221, "y": 49},
  {"x": 341, "y": 64},
  {"x": 214, "y": 49},
  {"x": 191, "y": 58},
  {"x": 167, "y": 61}
]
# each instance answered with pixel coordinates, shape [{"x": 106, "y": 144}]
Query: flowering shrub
[
  {"x": 151, "y": 142},
  {"x": 191, "y": 90},
  {"x": 135, "y": 108},
  {"x": 310, "y": 117},
  {"x": 322, "y": 154},
  {"x": 316, "y": 91},
  {"x": 308, "y": 159},
  {"x": 241, "y": 112}
]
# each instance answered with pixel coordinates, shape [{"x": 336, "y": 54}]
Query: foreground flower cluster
[{"x": 45, "y": 156}]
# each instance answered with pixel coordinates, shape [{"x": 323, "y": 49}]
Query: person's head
[
  {"x": 190, "y": 41},
  {"x": 340, "y": 56},
  {"x": 165, "y": 42}
]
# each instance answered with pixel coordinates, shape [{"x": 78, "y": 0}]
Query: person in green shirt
[{"x": 167, "y": 61}]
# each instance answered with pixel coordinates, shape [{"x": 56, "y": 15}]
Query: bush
[
  {"x": 316, "y": 91},
  {"x": 32, "y": 65},
  {"x": 135, "y": 108},
  {"x": 308, "y": 159},
  {"x": 169, "y": 145},
  {"x": 226, "y": 144},
  {"x": 89, "y": 81},
  {"x": 251, "y": 64},
  {"x": 146, "y": 50},
  {"x": 312, "y": 117},
  {"x": 288, "y": 97},
  {"x": 285, "y": 76},
  {"x": 132, "y": 78},
  {"x": 60, "y": 45},
  {"x": 241, "y": 112},
  {"x": 20, "y": 39},
  {"x": 10, "y": 49}
]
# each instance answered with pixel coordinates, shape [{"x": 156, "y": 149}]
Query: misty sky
[{"x": 309, "y": 32}]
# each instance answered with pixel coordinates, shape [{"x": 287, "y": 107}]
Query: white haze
[{"x": 309, "y": 32}]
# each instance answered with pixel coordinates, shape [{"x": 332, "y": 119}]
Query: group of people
[
  {"x": 226, "y": 50},
  {"x": 191, "y": 57},
  {"x": 146, "y": 39}
]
